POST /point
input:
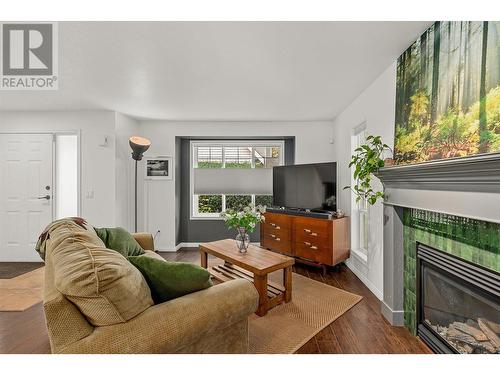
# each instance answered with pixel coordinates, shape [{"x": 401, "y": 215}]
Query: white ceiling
[{"x": 218, "y": 70}]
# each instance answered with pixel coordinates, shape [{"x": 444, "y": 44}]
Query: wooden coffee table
[{"x": 254, "y": 265}]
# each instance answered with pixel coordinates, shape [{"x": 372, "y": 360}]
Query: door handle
[{"x": 45, "y": 197}]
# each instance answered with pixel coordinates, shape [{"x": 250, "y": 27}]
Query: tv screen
[{"x": 306, "y": 186}]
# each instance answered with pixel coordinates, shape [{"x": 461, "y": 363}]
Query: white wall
[
  {"x": 124, "y": 188},
  {"x": 376, "y": 107},
  {"x": 97, "y": 162},
  {"x": 312, "y": 144}
]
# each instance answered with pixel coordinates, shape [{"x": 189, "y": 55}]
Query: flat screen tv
[{"x": 306, "y": 186}]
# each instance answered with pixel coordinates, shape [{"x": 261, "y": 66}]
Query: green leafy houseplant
[
  {"x": 245, "y": 221},
  {"x": 367, "y": 161}
]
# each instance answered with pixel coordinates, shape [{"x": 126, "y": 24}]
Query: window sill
[
  {"x": 360, "y": 255},
  {"x": 205, "y": 218}
]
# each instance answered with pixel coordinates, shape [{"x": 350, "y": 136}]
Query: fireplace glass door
[{"x": 456, "y": 309}]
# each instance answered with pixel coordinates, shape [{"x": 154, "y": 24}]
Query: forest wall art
[{"x": 448, "y": 93}]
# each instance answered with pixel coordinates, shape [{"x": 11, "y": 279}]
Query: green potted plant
[
  {"x": 245, "y": 221},
  {"x": 367, "y": 160}
]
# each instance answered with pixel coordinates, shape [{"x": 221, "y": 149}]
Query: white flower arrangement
[{"x": 247, "y": 218}]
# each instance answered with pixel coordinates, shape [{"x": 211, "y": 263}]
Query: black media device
[{"x": 306, "y": 187}]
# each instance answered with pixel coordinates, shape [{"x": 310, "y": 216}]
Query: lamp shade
[{"x": 139, "y": 146}]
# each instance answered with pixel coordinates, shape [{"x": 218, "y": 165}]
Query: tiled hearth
[{"x": 472, "y": 240}]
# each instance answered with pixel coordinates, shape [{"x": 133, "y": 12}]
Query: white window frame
[
  {"x": 358, "y": 209},
  {"x": 194, "y": 214}
]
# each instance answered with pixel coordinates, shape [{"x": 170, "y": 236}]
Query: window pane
[
  {"x": 264, "y": 200},
  {"x": 209, "y": 157},
  {"x": 267, "y": 157},
  {"x": 209, "y": 204},
  {"x": 66, "y": 176},
  {"x": 237, "y": 202},
  {"x": 238, "y": 157}
]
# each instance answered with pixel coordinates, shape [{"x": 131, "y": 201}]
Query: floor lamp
[{"x": 139, "y": 146}]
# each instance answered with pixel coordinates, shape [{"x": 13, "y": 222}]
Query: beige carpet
[
  {"x": 288, "y": 326},
  {"x": 21, "y": 292}
]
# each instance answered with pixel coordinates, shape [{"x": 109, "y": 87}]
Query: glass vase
[{"x": 242, "y": 240}]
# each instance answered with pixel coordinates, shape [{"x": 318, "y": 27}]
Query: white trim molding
[{"x": 360, "y": 275}]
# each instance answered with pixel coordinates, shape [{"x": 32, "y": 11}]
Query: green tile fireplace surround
[{"x": 472, "y": 240}]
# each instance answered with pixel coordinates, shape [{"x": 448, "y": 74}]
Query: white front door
[{"x": 26, "y": 192}]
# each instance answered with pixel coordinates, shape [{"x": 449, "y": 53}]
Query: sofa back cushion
[
  {"x": 104, "y": 286},
  {"x": 120, "y": 240}
]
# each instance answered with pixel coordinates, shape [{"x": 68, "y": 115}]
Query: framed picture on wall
[{"x": 159, "y": 168}]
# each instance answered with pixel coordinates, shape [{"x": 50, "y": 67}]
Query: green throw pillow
[
  {"x": 169, "y": 280},
  {"x": 120, "y": 240}
]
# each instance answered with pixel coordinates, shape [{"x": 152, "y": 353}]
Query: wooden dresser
[{"x": 320, "y": 241}]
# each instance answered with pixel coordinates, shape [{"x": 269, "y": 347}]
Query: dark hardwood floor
[
  {"x": 9, "y": 270},
  {"x": 361, "y": 330}
]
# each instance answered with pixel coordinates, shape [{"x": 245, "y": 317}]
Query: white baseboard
[
  {"x": 189, "y": 244},
  {"x": 364, "y": 279},
  {"x": 166, "y": 250}
]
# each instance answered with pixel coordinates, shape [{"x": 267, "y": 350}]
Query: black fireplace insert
[{"x": 458, "y": 304}]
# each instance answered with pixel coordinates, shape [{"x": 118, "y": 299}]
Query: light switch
[{"x": 104, "y": 141}]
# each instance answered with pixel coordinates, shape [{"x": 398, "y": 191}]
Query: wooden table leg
[
  {"x": 204, "y": 259},
  {"x": 287, "y": 282},
  {"x": 260, "y": 283}
]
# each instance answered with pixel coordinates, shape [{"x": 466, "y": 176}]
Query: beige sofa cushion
[{"x": 105, "y": 287}]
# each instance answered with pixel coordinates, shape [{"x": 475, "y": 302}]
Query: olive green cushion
[
  {"x": 169, "y": 280},
  {"x": 120, "y": 240}
]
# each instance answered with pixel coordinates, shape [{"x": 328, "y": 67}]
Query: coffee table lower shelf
[{"x": 227, "y": 271}]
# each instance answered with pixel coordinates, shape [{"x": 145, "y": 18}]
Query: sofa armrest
[
  {"x": 170, "y": 326},
  {"x": 145, "y": 240}
]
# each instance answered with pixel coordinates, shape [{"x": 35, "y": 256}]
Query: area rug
[
  {"x": 21, "y": 292},
  {"x": 288, "y": 326}
]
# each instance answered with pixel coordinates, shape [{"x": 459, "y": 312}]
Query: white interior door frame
[{"x": 54, "y": 152}]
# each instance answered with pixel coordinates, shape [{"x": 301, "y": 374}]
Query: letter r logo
[{"x": 27, "y": 49}]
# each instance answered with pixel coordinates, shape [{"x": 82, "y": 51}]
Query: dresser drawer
[
  {"x": 315, "y": 252},
  {"x": 277, "y": 243},
  {"x": 277, "y": 220},
  {"x": 310, "y": 229},
  {"x": 277, "y": 230}
]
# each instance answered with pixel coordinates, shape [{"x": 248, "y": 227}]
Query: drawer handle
[
  {"x": 273, "y": 235},
  {"x": 308, "y": 231},
  {"x": 272, "y": 224},
  {"x": 277, "y": 239},
  {"x": 312, "y": 247}
]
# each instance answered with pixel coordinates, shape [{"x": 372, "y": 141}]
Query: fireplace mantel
[
  {"x": 468, "y": 187},
  {"x": 465, "y": 187},
  {"x": 479, "y": 173}
]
